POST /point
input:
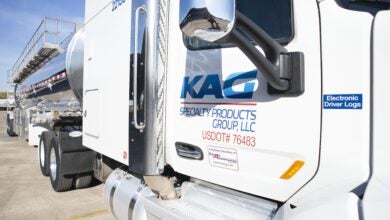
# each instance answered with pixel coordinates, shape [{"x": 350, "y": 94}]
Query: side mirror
[
  {"x": 207, "y": 20},
  {"x": 212, "y": 20}
]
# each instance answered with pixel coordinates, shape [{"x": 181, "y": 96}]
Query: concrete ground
[{"x": 26, "y": 194}]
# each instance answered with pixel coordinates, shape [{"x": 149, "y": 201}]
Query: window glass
[{"x": 273, "y": 16}]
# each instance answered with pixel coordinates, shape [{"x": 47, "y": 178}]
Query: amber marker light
[{"x": 294, "y": 168}]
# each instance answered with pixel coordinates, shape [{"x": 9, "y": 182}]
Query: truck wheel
[
  {"x": 11, "y": 134},
  {"x": 10, "y": 127},
  {"x": 58, "y": 180},
  {"x": 43, "y": 151},
  {"x": 82, "y": 180}
]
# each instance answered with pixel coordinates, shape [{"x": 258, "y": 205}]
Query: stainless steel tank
[
  {"x": 75, "y": 64},
  {"x": 58, "y": 84}
]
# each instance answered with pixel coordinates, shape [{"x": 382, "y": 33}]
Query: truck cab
[
  {"x": 270, "y": 100},
  {"x": 237, "y": 109}
]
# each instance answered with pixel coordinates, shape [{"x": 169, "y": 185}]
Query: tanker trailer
[
  {"x": 49, "y": 113},
  {"x": 41, "y": 98},
  {"x": 41, "y": 82},
  {"x": 50, "y": 93}
]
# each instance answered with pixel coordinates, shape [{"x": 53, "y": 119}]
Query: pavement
[{"x": 26, "y": 194}]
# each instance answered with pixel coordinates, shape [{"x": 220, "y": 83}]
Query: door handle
[{"x": 189, "y": 151}]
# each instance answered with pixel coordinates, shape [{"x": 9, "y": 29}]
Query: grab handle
[{"x": 140, "y": 126}]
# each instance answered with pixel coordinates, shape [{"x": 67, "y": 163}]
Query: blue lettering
[
  {"x": 188, "y": 87},
  {"x": 116, "y": 4},
  {"x": 212, "y": 86},
  {"x": 248, "y": 88},
  {"x": 343, "y": 101}
]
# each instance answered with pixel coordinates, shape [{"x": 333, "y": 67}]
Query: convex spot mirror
[{"x": 208, "y": 20}]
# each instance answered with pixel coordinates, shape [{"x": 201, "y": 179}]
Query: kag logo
[{"x": 213, "y": 86}]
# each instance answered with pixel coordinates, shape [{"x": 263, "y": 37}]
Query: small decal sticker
[
  {"x": 75, "y": 134},
  {"x": 343, "y": 101},
  {"x": 223, "y": 157}
]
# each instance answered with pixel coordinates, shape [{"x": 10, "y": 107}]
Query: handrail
[
  {"x": 21, "y": 55},
  {"x": 50, "y": 31}
]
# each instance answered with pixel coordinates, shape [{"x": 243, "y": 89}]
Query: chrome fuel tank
[{"x": 57, "y": 85}]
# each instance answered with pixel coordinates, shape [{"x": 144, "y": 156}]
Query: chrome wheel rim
[
  {"x": 53, "y": 164},
  {"x": 41, "y": 151}
]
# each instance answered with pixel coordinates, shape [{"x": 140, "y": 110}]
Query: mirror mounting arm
[
  {"x": 270, "y": 71},
  {"x": 271, "y": 48},
  {"x": 283, "y": 70}
]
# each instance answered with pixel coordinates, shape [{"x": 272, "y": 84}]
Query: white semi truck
[{"x": 218, "y": 109}]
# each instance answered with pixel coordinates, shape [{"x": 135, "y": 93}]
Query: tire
[
  {"x": 10, "y": 127},
  {"x": 82, "y": 180},
  {"x": 43, "y": 151},
  {"x": 58, "y": 180},
  {"x": 10, "y": 133}
]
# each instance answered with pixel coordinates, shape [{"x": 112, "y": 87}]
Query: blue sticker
[{"x": 343, "y": 101}]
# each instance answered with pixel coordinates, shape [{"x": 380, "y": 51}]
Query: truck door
[{"x": 222, "y": 124}]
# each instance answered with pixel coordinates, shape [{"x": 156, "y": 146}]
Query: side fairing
[
  {"x": 345, "y": 139},
  {"x": 377, "y": 196},
  {"x": 106, "y": 78}
]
